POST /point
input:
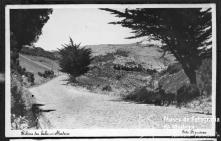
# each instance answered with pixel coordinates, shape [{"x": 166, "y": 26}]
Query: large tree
[
  {"x": 26, "y": 27},
  {"x": 184, "y": 32},
  {"x": 75, "y": 60}
]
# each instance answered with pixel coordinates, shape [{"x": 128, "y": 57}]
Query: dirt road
[{"x": 74, "y": 107}]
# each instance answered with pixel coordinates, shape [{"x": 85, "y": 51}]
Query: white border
[{"x": 107, "y": 132}]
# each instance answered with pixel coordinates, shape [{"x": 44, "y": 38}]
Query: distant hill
[
  {"x": 149, "y": 55},
  {"x": 38, "y": 51}
]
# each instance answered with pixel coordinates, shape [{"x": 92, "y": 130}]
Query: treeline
[
  {"x": 38, "y": 51},
  {"x": 25, "y": 28}
]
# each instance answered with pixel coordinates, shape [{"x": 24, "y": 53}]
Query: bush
[
  {"x": 144, "y": 95},
  {"x": 174, "y": 68},
  {"x": 22, "y": 71},
  {"x": 74, "y": 60},
  {"x": 187, "y": 93},
  {"x": 47, "y": 74},
  {"x": 30, "y": 77},
  {"x": 18, "y": 106},
  {"x": 107, "y": 88}
]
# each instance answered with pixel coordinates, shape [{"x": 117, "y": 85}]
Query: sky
[{"x": 88, "y": 26}]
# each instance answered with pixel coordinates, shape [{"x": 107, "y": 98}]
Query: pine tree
[
  {"x": 186, "y": 33},
  {"x": 75, "y": 60}
]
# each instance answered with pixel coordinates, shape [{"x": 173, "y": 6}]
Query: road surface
[{"x": 72, "y": 107}]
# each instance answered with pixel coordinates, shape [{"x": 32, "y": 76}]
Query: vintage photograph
[{"x": 111, "y": 70}]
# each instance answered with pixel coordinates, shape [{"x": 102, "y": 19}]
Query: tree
[
  {"x": 26, "y": 27},
  {"x": 75, "y": 60},
  {"x": 186, "y": 33}
]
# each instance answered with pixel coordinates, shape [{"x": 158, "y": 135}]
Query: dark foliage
[
  {"x": 31, "y": 77},
  {"x": 18, "y": 106},
  {"x": 145, "y": 95},
  {"x": 75, "y": 60},
  {"x": 174, "y": 68},
  {"x": 168, "y": 98},
  {"x": 47, "y": 74},
  {"x": 185, "y": 33},
  {"x": 107, "y": 88},
  {"x": 204, "y": 77},
  {"x": 187, "y": 93},
  {"x": 26, "y": 25},
  {"x": 22, "y": 71},
  {"x": 25, "y": 28}
]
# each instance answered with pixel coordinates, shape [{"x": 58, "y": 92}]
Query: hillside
[
  {"x": 147, "y": 55},
  {"x": 38, "y": 51},
  {"x": 35, "y": 64},
  {"x": 119, "y": 69}
]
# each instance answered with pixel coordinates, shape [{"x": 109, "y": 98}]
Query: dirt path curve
[{"x": 75, "y": 107}]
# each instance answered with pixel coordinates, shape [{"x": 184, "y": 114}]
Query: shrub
[
  {"x": 144, "y": 95},
  {"x": 18, "y": 106},
  {"x": 174, "y": 68},
  {"x": 30, "y": 77},
  {"x": 187, "y": 93},
  {"x": 22, "y": 71},
  {"x": 47, "y": 74},
  {"x": 74, "y": 60},
  {"x": 107, "y": 88}
]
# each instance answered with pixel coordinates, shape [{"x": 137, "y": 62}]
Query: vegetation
[
  {"x": 30, "y": 76},
  {"x": 25, "y": 29},
  {"x": 174, "y": 68},
  {"x": 21, "y": 102},
  {"x": 47, "y": 74},
  {"x": 74, "y": 60},
  {"x": 185, "y": 33},
  {"x": 204, "y": 77},
  {"x": 37, "y": 51},
  {"x": 25, "y": 26},
  {"x": 187, "y": 93},
  {"x": 145, "y": 95}
]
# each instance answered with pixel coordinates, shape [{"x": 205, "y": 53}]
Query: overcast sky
[{"x": 88, "y": 26}]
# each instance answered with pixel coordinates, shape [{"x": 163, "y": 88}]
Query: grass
[{"x": 22, "y": 116}]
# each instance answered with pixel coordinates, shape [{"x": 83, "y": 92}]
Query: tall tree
[
  {"x": 75, "y": 60},
  {"x": 26, "y": 27},
  {"x": 186, "y": 33}
]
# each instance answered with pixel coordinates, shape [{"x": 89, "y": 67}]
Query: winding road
[{"x": 70, "y": 107}]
